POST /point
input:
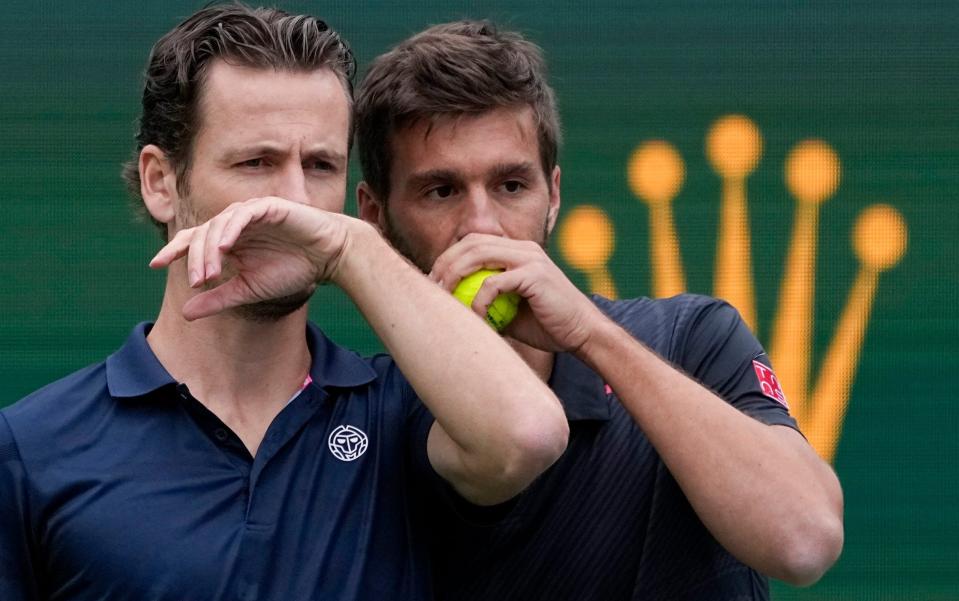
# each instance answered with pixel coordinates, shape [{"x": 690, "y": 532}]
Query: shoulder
[
  {"x": 713, "y": 327},
  {"x": 665, "y": 324},
  {"x": 344, "y": 369},
  {"x": 372, "y": 384},
  {"x": 72, "y": 402},
  {"x": 676, "y": 308},
  {"x": 71, "y": 393},
  {"x": 387, "y": 371},
  {"x": 389, "y": 382}
]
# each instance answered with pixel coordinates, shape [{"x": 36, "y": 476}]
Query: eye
[
  {"x": 321, "y": 165},
  {"x": 441, "y": 192},
  {"x": 513, "y": 186},
  {"x": 257, "y": 162}
]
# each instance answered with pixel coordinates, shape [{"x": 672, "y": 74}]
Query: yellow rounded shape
[
  {"x": 733, "y": 146},
  {"x": 503, "y": 308},
  {"x": 879, "y": 236},
  {"x": 586, "y": 238},
  {"x": 812, "y": 171},
  {"x": 655, "y": 171}
]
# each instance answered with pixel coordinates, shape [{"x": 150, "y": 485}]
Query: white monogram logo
[{"x": 348, "y": 443}]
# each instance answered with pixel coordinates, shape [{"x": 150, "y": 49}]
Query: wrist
[
  {"x": 362, "y": 252},
  {"x": 605, "y": 340}
]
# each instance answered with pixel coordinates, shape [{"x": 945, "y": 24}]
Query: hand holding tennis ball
[{"x": 503, "y": 308}]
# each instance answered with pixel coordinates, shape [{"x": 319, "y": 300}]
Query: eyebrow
[
  {"x": 337, "y": 158},
  {"x": 523, "y": 169},
  {"x": 499, "y": 171},
  {"x": 244, "y": 152},
  {"x": 431, "y": 176}
]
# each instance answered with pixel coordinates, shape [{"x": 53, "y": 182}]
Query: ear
[
  {"x": 553, "y": 209},
  {"x": 371, "y": 208},
  {"x": 158, "y": 184}
]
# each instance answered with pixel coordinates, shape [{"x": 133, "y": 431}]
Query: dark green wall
[{"x": 878, "y": 81}]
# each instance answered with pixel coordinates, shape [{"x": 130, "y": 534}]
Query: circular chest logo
[{"x": 348, "y": 443}]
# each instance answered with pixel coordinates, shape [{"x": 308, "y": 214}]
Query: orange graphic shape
[
  {"x": 586, "y": 241},
  {"x": 655, "y": 173}
]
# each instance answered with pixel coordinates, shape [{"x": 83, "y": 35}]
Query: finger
[
  {"x": 459, "y": 261},
  {"x": 232, "y": 229},
  {"x": 439, "y": 271},
  {"x": 173, "y": 250},
  {"x": 196, "y": 256},
  {"x": 213, "y": 255},
  {"x": 267, "y": 210},
  {"x": 225, "y": 296},
  {"x": 494, "y": 285},
  {"x": 497, "y": 253}
]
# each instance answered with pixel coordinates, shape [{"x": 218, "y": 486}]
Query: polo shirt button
[{"x": 221, "y": 434}]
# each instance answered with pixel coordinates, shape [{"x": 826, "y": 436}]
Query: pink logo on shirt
[{"x": 769, "y": 383}]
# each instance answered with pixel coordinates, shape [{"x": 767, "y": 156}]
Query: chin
[{"x": 273, "y": 310}]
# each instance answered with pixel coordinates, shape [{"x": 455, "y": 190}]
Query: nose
[
  {"x": 479, "y": 215},
  {"x": 290, "y": 183}
]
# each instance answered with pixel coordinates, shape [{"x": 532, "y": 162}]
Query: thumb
[{"x": 227, "y": 295}]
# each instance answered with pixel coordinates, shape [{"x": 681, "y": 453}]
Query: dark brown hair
[
  {"x": 461, "y": 68},
  {"x": 240, "y": 35}
]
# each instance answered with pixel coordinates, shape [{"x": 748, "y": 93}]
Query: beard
[
  {"x": 265, "y": 311},
  {"x": 403, "y": 245},
  {"x": 274, "y": 309}
]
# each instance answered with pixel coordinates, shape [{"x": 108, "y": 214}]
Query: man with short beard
[
  {"x": 685, "y": 477},
  {"x": 230, "y": 450}
]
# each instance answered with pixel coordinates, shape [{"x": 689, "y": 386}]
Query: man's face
[
  {"x": 467, "y": 174},
  {"x": 267, "y": 133}
]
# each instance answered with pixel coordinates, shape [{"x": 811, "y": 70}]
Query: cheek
[
  {"x": 206, "y": 196},
  {"x": 420, "y": 239},
  {"x": 427, "y": 235},
  {"x": 328, "y": 194},
  {"x": 188, "y": 214},
  {"x": 533, "y": 225}
]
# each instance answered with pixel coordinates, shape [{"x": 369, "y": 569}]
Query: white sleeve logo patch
[{"x": 347, "y": 443}]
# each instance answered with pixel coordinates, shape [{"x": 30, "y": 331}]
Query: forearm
[
  {"x": 497, "y": 425},
  {"x": 759, "y": 489},
  {"x": 501, "y": 425}
]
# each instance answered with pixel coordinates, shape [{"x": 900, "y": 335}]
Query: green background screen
[{"x": 878, "y": 82}]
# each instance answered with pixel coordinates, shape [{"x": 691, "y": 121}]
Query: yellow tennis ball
[{"x": 503, "y": 308}]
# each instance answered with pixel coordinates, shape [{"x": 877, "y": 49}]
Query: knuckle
[{"x": 531, "y": 246}]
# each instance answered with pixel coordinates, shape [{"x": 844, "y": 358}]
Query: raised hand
[
  {"x": 257, "y": 250},
  {"x": 555, "y": 316}
]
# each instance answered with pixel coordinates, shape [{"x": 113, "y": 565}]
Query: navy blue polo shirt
[
  {"x": 608, "y": 522},
  {"x": 115, "y": 483}
]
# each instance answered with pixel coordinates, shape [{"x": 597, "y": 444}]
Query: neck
[{"x": 243, "y": 371}]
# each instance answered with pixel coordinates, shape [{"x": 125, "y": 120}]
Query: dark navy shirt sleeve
[
  {"x": 718, "y": 350},
  {"x": 419, "y": 421},
  {"x": 17, "y": 578},
  {"x": 429, "y": 486},
  {"x": 426, "y": 480}
]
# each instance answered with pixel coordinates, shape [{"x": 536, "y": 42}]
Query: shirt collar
[
  {"x": 134, "y": 370},
  {"x": 580, "y": 389},
  {"x": 334, "y": 366}
]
